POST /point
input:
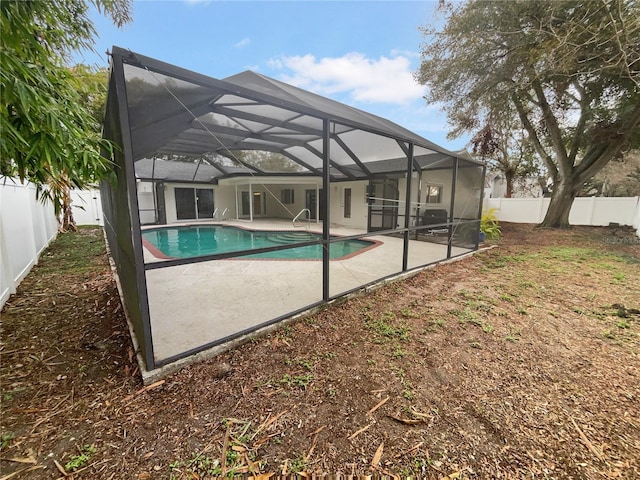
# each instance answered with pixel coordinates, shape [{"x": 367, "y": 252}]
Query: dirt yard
[{"x": 519, "y": 362}]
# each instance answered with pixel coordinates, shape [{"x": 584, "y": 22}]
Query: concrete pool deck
[{"x": 196, "y": 304}]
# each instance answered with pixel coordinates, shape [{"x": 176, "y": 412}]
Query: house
[{"x": 527, "y": 187}]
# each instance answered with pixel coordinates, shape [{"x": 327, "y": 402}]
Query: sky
[{"x": 362, "y": 53}]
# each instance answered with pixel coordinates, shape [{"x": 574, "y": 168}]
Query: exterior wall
[
  {"x": 170, "y": 202},
  {"x": 522, "y": 187},
  {"x": 27, "y": 226},
  {"x": 440, "y": 178},
  {"x": 146, "y": 203},
  {"x": 497, "y": 187},
  {"x": 224, "y": 197},
  {"x": 359, "y": 209},
  {"x": 597, "y": 211}
]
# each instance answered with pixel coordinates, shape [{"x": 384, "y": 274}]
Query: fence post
[
  {"x": 592, "y": 207},
  {"x": 7, "y": 285},
  {"x": 636, "y": 217}
]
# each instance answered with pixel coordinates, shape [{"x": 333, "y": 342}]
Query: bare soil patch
[{"x": 521, "y": 361}]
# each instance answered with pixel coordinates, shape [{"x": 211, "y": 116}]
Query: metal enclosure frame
[{"x": 174, "y": 128}]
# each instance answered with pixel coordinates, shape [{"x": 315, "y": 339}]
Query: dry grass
[{"x": 520, "y": 362}]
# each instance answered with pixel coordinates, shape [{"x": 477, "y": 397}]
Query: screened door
[{"x": 383, "y": 204}]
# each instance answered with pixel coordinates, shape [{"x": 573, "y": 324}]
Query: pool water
[{"x": 196, "y": 241}]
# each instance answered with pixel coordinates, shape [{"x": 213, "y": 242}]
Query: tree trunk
[
  {"x": 561, "y": 201},
  {"x": 508, "y": 177},
  {"x": 68, "y": 224}
]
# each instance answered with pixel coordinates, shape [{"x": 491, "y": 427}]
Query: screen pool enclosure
[{"x": 372, "y": 199}]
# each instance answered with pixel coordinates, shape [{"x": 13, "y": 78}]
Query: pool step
[{"x": 294, "y": 237}]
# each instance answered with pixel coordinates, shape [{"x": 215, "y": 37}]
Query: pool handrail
[{"x": 308, "y": 218}]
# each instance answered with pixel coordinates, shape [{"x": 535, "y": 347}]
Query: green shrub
[{"x": 489, "y": 225}]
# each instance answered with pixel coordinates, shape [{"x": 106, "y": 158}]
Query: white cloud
[
  {"x": 385, "y": 85},
  {"x": 243, "y": 43},
  {"x": 383, "y": 80}
]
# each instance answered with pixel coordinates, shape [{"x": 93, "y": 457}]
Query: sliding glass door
[{"x": 194, "y": 203}]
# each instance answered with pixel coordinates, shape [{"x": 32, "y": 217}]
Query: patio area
[{"x": 199, "y": 303}]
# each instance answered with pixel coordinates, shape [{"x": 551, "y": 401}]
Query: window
[
  {"x": 347, "y": 203},
  {"x": 286, "y": 196},
  {"x": 434, "y": 194}
]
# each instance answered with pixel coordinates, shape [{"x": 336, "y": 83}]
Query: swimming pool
[{"x": 200, "y": 240}]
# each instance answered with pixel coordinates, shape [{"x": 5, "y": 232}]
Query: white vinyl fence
[
  {"x": 27, "y": 226},
  {"x": 87, "y": 207},
  {"x": 597, "y": 211}
]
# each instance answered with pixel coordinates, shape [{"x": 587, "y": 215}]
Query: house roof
[{"x": 178, "y": 114}]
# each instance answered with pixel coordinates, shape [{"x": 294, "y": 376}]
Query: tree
[
  {"x": 92, "y": 90},
  {"x": 620, "y": 178},
  {"x": 93, "y": 84},
  {"x": 49, "y": 136},
  {"x": 503, "y": 145},
  {"x": 571, "y": 71},
  {"x": 266, "y": 161}
]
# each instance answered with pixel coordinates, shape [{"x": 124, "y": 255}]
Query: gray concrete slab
[{"x": 196, "y": 304}]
